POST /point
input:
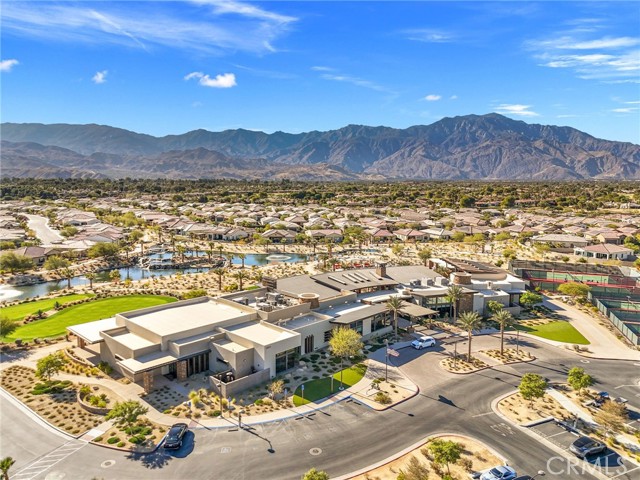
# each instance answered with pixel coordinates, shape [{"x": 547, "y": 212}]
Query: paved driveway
[{"x": 40, "y": 225}]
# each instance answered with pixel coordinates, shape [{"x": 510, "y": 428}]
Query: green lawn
[
  {"x": 56, "y": 324},
  {"x": 18, "y": 312},
  {"x": 560, "y": 331},
  {"x": 321, "y": 388}
]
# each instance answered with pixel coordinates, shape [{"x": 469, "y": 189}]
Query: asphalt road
[
  {"x": 349, "y": 436},
  {"x": 40, "y": 225}
]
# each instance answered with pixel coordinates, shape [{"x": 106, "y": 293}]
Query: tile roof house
[{"x": 605, "y": 251}]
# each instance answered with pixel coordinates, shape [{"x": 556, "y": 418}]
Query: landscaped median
[
  {"x": 508, "y": 356},
  {"x": 56, "y": 324},
  {"x": 438, "y": 457}
]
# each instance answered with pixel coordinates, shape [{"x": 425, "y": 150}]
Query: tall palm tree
[
  {"x": 469, "y": 321},
  {"x": 210, "y": 251},
  {"x": 181, "y": 249},
  {"x": 67, "y": 274},
  {"x": 394, "y": 304},
  {"x": 454, "y": 295},
  {"x": 504, "y": 319},
  {"x": 5, "y": 464},
  {"x": 91, "y": 276},
  {"x": 242, "y": 256},
  {"x": 240, "y": 275},
  {"x": 220, "y": 272}
]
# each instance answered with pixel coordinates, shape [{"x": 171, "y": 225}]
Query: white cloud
[
  {"x": 429, "y": 35},
  {"x": 604, "y": 58},
  {"x": 567, "y": 115},
  {"x": 203, "y": 26},
  {"x": 319, "y": 68},
  {"x": 244, "y": 9},
  {"x": 625, "y": 110},
  {"x": 516, "y": 109},
  {"x": 453, "y": 97},
  {"x": 224, "y": 80},
  {"x": 360, "y": 82},
  {"x": 100, "y": 77},
  {"x": 432, "y": 97},
  {"x": 7, "y": 65},
  {"x": 633, "y": 103}
]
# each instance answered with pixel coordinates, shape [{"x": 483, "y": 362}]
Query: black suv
[
  {"x": 585, "y": 446},
  {"x": 173, "y": 440}
]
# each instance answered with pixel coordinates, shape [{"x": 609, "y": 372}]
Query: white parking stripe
[{"x": 46, "y": 462}]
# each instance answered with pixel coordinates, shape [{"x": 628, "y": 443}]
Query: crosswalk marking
[{"x": 49, "y": 460}]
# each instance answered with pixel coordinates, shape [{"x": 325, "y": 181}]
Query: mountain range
[{"x": 466, "y": 147}]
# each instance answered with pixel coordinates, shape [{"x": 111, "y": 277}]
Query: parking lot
[{"x": 608, "y": 463}]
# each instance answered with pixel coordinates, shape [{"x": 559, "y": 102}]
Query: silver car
[
  {"x": 585, "y": 446},
  {"x": 502, "y": 472}
]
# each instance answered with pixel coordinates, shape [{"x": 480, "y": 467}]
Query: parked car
[
  {"x": 423, "y": 342},
  {"x": 173, "y": 440},
  {"x": 585, "y": 446},
  {"x": 502, "y": 472}
]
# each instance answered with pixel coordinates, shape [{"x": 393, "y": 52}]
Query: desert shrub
[
  {"x": 383, "y": 398},
  {"x": 113, "y": 440}
]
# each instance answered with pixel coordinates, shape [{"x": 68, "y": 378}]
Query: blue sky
[{"x": 163, "y": 67}]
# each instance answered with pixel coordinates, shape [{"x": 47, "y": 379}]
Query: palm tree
[
  {"x": 115, "y": 276},
  {"x": 91, "y": 277},
  {"x": 454, "y": 295},
  {"x": 394, "y": 304},
  {"x": 240, "y": 275},
  {"x": 424, "y": 255},
  {"x": 504, "y": 319},
  {"x": 220, "y": 272},
  {"x": 210, "y": 251},
  {"x": 242, "y": 256},
  {"x": 5, "y": 464},
  {"x": 469, "y": 321},
  {"x": 67, "y": 274},
  {"x": 230, "y": 258},
  {"x": 181, "y": 249}
]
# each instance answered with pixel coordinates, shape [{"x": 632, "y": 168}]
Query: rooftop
[
  {"x": 179, "y": 317},
  {"x": 261, "y": 333}
]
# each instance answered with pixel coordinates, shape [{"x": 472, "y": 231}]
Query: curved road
[
  {"x": 40, "y": 225},
  {"x": 348, "y": 436}
]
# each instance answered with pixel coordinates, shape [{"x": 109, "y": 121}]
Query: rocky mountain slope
[{"x": 469, "y": 147}]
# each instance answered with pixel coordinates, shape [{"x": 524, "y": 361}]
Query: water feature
[{"x": 11, "y": 292}]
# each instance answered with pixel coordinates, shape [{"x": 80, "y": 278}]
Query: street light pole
[
  {"x": 455, "y": 355},
  {"x": 517, "y": 341},
  {"x": 219, "y": 385},
  {"x": 540, "y": 473}
]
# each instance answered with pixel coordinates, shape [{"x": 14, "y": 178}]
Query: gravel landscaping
[{"x": 60, "y": 409}]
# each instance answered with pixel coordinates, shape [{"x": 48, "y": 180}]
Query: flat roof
[
  {"x": 174, "y": 318},
  {"x": 131, "y": 340},
  {"x": 230, "y": 345},
  {"x": 148, "y": 362},
  {"x": 90, "y": 332},
  {"x": 414, "y": 310},
  {"x": 355, "y": 314},
  {"x": 303, "y": 321},
  {"x": 260, "y": 333},
  {"x": 294, "y": 286}
]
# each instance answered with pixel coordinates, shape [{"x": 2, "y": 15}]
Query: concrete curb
[
  {"x": 538, "y": 438},
  {"x": 413, "y": 447},
  {"x": 37, "y": 418}
]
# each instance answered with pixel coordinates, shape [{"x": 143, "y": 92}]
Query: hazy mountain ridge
[{"x": 469, "y": 147}]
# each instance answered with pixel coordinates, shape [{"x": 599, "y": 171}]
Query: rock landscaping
[
  {"x": 461, "y": 365},
  {"x": 510, "y": 355},
  {"x": 415, "y": 464},
  {"x": 54, "y": 401},
  {"x": 519, "y": 410}
]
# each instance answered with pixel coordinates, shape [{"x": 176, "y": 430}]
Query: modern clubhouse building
[{"x": 244, "y": 339}]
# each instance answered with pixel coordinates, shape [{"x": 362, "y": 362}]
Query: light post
[
  {"x": 517, "y": 341},
  {"x": 455, "y": 355},
  {"x": 219, "y": 385},
  {"x": 539, "y": 474}
]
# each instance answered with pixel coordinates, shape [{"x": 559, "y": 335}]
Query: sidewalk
[
  {"x": 603, "y": 343},
  {"x": 361, "y": 392}
]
